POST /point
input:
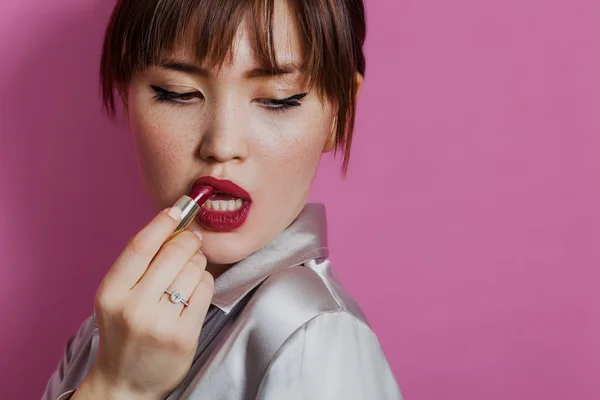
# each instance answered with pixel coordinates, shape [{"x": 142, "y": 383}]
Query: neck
[{"x": 217, "y": 269}]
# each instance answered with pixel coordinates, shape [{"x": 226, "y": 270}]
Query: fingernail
[
  {"x": 175, "y": 213},
  {"x": 197, "y": 233}
]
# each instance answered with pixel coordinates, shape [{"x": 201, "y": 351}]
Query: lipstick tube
[{"x": 190, "y": 205}]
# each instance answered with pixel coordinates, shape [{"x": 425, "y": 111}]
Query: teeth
[
  {"x": 224, "y": 205},
  {"x": 231, "y": 205}
]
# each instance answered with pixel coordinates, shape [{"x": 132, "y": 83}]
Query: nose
[{"x": 226, "y": 135}]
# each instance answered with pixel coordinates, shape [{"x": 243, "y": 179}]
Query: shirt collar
[{"x": 305, "y": 239}]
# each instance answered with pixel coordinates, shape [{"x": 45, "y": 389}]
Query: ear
[
  {"x": 359, "y": 82},
  {"x": 330, "y": 144}
]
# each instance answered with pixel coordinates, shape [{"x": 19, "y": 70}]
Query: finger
[
  {"x": 186, "y": 281},
  {"x": 199, "y": 301},
  {"x": 141, "y": 249},
  {"x": 168, "y": 263}
]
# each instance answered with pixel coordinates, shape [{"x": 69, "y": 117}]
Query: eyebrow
[{"x": 259, "y": 72}]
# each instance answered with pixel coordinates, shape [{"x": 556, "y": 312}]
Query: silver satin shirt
[{"x": 280, "y": 326}]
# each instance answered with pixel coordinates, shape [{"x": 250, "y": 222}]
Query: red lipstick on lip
[
  {"x": 224, "y": 186},
  {"x": 225, "y": 191}
]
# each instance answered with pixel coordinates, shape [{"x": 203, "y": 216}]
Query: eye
[
  {"x": 166, "y": 96},
  {"x": 280, "y": 105}
]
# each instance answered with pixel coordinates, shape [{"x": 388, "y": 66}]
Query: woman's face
[{"x": 231, "y": 128}]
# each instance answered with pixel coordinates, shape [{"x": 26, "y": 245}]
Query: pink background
[{"x": 475, "y": 254}]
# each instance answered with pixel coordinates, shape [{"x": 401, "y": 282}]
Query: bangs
[{"x": 143, "y": 33}]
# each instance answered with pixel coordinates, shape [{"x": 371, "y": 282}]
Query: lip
[
  {"x": 224, "y": 186},
  {"x": 223, "y": 221}
]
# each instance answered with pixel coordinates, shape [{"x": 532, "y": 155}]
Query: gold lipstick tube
[
  {"x": 190, "y": 205},
  {"x": 190, "y": 208}
]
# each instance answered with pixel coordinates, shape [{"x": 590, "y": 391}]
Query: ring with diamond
[{"x": 177, "y": 297}]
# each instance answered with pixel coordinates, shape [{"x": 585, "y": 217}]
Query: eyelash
[{"x": 273, "y": 105}]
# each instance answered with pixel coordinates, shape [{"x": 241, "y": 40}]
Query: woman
[{"x": 243, "y": 96}]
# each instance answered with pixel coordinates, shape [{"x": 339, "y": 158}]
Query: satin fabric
[{"x": 280, "y": 326}]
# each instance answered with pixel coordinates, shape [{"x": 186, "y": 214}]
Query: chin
[{"x": 225, "y": 248}]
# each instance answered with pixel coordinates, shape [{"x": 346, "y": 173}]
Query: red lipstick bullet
[{"x": 190, "y": 205}]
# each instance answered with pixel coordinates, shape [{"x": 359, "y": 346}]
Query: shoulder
[
  {"x": 300, "y": 298},
  {"x": 326, "y": 348},
  {"x": 292, "y": 297}
]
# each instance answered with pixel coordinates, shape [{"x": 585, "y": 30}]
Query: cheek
[
  {"x": 145, "y": 127},
  {"x": 304, "y": 133},
  {"x": 159, "y": 135},
  {"x": 292, "y": 151},
  {"x": 161, "y": 144}
]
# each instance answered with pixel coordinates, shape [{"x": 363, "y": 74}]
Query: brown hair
[{"x": 332, "y": 33}]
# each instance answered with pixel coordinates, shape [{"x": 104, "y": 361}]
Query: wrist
[{"x": 97, "y": 386}]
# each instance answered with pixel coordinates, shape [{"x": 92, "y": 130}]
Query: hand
[{"x": 147, "y": 343}]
